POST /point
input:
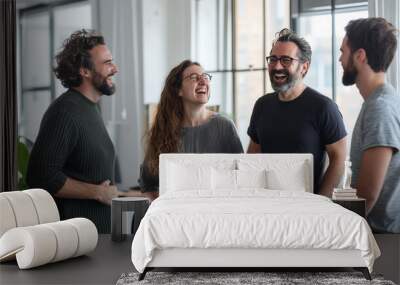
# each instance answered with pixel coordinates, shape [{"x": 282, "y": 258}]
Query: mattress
[{"x": 251, "y": 219}]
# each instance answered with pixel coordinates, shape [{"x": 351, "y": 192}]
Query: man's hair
[
  {"x": 377, "y": 37},
  {"x": 74, "y": 55},
  {"x": 286, "y": 35}
]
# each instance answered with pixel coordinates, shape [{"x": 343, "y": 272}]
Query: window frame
[
  {"x": 49, "y": 10},
  {"x": 234, "y": 69},
  {"x": 296, "y": 13},
  {"x": 36, "y": 9}
]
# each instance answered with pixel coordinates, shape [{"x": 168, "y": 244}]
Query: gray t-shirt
[
  {"x": 378, "y": 124},
  {"x": 218, "y": 135}
]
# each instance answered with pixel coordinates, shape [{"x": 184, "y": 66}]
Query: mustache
[
  {"x": 111, "y": 74},
  {"x": 280, "y": 72}
]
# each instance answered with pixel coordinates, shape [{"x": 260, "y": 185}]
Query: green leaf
[{"x": 23, "y": 158}]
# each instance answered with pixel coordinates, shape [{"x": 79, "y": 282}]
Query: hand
[{"x": 106, "y": 192}]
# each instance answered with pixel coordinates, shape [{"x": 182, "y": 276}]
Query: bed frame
[{"x": 247, "y": 259}]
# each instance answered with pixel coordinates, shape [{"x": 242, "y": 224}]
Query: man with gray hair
[
  {"x": 367, "y": 51},
  {"x": 296, "y": 118}
]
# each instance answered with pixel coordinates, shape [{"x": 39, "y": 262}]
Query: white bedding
[{"x": 251, "y": 218}]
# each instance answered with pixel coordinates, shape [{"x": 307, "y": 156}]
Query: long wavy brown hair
[{"x": 164, "y": 134}]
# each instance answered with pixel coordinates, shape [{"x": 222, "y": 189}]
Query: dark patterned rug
[{"x": 229, "y": 278}]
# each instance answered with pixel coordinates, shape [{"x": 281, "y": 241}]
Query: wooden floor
[
  {"x": 104, "y": 265},
  {"x": 111, "y": 259},
  {"x": 389, "y": 262}
]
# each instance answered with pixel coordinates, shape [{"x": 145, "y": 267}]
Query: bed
[{"x": 246, "y": 211}]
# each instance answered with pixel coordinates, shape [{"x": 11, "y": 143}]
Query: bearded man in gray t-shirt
[{"x": 367, "y": 51}]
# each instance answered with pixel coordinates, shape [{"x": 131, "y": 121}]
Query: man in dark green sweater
[{"x": 73, "y": 157}]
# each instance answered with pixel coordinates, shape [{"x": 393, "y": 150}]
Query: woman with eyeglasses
[{"x": 183, "y": 123}]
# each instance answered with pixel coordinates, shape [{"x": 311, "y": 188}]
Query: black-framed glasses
[
  {"x": 285, "y": 60},
  {"x": 195, "y": 77}
]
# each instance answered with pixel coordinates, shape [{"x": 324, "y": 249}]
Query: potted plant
[{"x": 23, "y": 158}]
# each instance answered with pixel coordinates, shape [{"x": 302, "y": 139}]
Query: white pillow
[
  {"x": 284, "y": 174},
  {"x": 182, "y": 177},
  {"x": 223, "y": 179},
  {"x": 251, "y": 178},
  {"x": 293, "y": 179}
]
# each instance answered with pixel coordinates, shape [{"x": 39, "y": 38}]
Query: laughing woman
[{"x": 184, "y": 124}]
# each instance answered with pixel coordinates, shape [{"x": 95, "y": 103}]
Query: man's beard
[
  {"x": 100, "y": 83},
  {"x": 291, "y": 80},
  {"x": 349, "y": 74}
]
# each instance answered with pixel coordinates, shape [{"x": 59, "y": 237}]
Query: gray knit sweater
[
  {"x": 218, "y": 135},
  {"x": 73, "y": 142}
]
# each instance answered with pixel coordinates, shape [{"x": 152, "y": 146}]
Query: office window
[
  {"x": 36, "y": 49},
  {"x": 322, "y": 24},
  {"x": 348, "y": 98},
  {"x": 212, "y": 48},
  {"x": 34, "y": 104},
  {"x": 249, "y": 38},
  {"x": 42, "y": 31},
  {"x": 316, "y": 29},
  {"x": 67, "y": 19},
  {"x": 232, "y": 39}
]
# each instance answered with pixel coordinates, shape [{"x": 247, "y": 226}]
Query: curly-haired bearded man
[{"x": 73, "y": 157}]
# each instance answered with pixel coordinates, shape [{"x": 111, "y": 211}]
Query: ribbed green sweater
[{"x": 73, "y": 142}]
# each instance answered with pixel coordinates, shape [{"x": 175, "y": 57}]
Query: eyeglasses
[
  {"x": 286, "y": 61},
  {"x": 196, "y": 77}
]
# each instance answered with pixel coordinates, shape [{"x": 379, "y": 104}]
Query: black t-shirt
[{"x": 303, "y": 125}]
